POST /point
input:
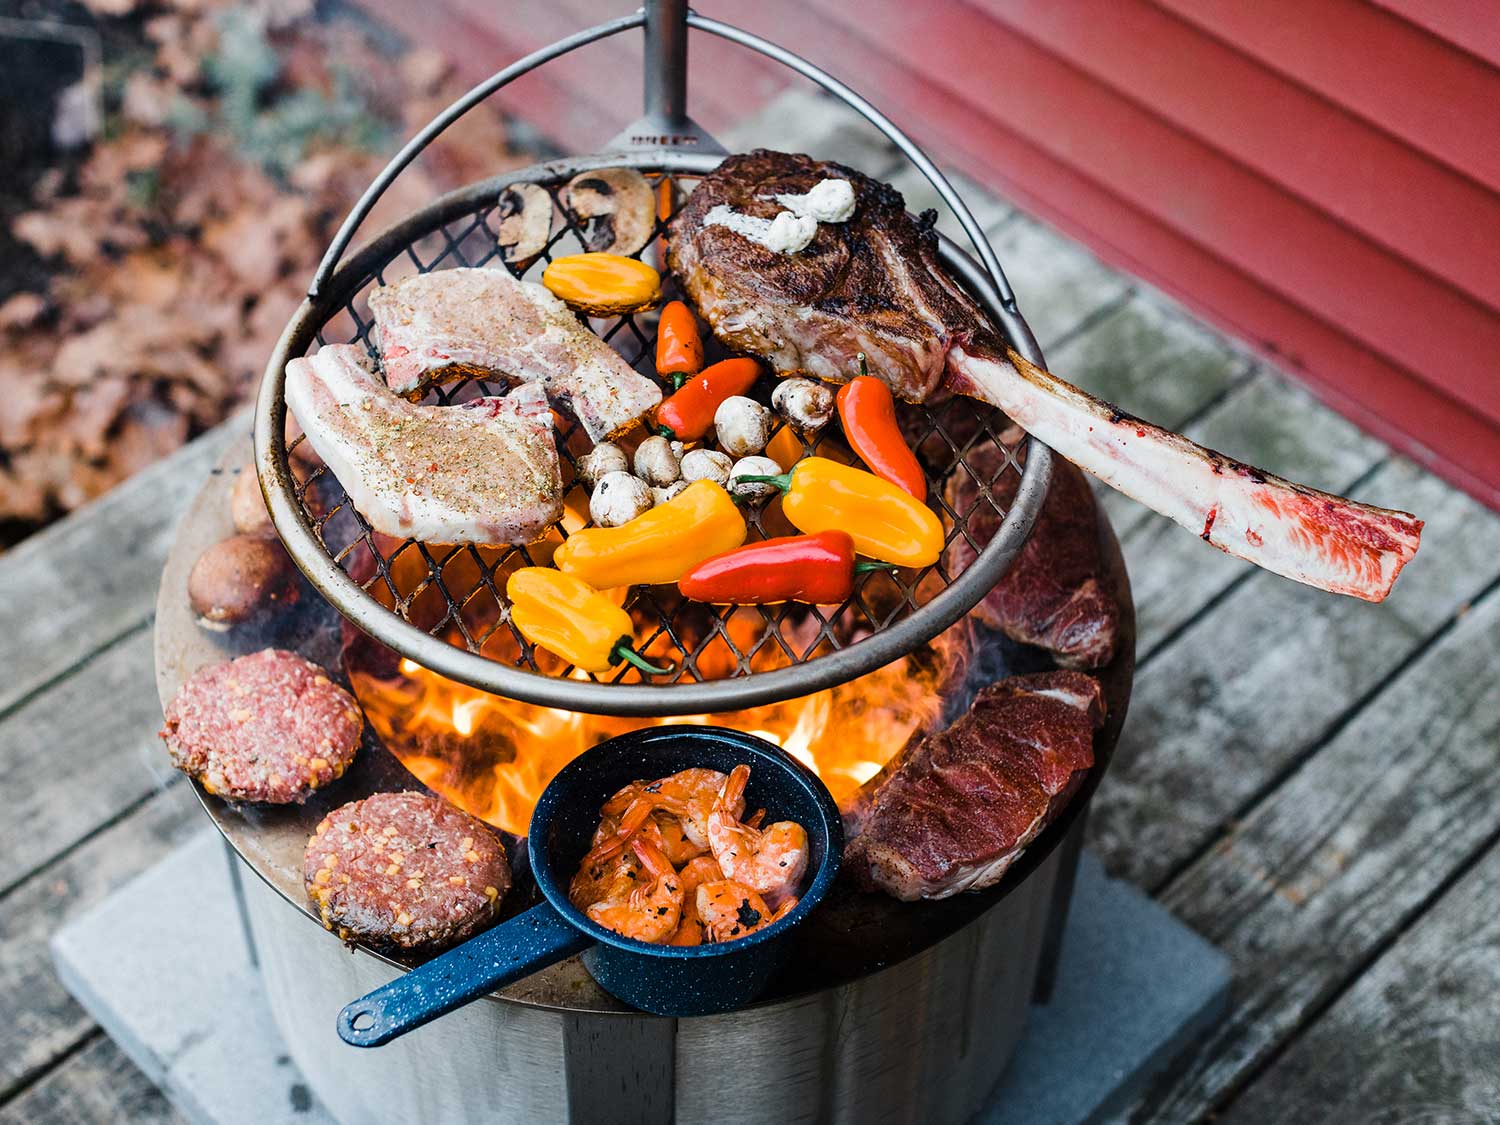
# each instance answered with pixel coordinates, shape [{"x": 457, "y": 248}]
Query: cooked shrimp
[
  {"x": 608, "y": 878},
  {"x": 651, "y": 910},
  {"x": 770, "y": 861},
  {"x": 689, "y": 794},
  {"x": 671, "y": 837},
  {"x": 729, "y": 910},
  {"x": 704, "y": 869}
]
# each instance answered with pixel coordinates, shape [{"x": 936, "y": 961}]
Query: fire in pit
[{"x": 492, "y": 756}]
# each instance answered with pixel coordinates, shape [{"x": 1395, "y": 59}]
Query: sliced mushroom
[
  {"x": 615, "y": 209},
  {"x": 525, "y": 223}
]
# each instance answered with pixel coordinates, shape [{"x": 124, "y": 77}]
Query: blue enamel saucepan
[{"x": 665, "y": 979}]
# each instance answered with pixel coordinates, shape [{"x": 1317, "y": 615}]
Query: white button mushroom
[
  {"x": 618, "y": 498},
  {"x": 656, "y": 463},
  {"x": 756, "y": 490},
  {"x": 805, "y": 403},
  {"x": 599, "y": 462},
  {"x": 743, "y": 426},
  {"x": 706, "y": 464},
  {"x": 662, "y": 494}
]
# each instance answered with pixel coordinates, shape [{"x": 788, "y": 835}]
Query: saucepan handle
[{"x": 495, "y": 958}]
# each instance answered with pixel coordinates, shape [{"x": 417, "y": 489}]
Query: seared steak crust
[
  {"x": 872, "y": 284},
  {"x": 955, "y": 809}
]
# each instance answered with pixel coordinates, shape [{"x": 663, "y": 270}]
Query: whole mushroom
[
  {"x": 753, "y": 490},
  {"x": 743, "y": 426},
  {"x": 661, "y": 494},
  {"x": 599, "y": 462},
  {"x": 657, "y": 463},
  {"x": 706, "y": 464},
  {"x": 614, "y": 207},
  {"x": 239, "y": 578},
  {"x": 805, "y": 403},
  {"x": 618, "y": 498}
]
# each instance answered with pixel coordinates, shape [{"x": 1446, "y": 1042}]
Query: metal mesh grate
[{"x": 456, "y": 592}]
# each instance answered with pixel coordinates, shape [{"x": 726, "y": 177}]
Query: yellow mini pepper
[
  {"x": 658, "y": 546},
  {"x": 885, "y": 522},
  {"x": 571, "y": 619}
]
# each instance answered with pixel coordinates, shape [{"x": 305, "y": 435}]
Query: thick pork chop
[
  {"x": 448, "y": 324},
  {"x": 953, "y": 810},
  {"x": 484, "y": 472},
  {"x": 874, "y": 284}
]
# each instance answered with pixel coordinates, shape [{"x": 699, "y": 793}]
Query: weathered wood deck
[{"x": 1308, "y": 781}]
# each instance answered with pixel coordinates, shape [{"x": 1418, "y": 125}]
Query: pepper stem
[
  {"x": 864, "y": 368},
  {"x": 624, "y": 652},
  {"x": 864, "y": 566},
  {"x": 666, "y": 432},
  {"x": 678, "y": 379}
]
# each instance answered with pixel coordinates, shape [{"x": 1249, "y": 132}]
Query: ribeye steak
[{"x": 874, "y": 284}]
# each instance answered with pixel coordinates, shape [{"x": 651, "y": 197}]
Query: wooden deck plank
[
  {"x": 1435, "y": 993},
  {"x": 1269, "y": 423},
  {"x": 1057, "y": 283},
  {"x": 1333, "y": 865},
  {"x": 90, "y": 578},
  {"x": 78, "y": 754},
  {"x": 39, "y": 1020},
  {"x": 98, "y": 1084},
  {"x": 1244, "y": 693}
]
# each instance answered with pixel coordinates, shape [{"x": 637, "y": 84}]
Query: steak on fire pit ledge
[
  {"x": 1053, "y": 595},
  {"x": 874, "y": 284},
  {"x": 953, "y": 810}
]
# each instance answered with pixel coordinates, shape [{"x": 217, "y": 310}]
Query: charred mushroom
[
  {"x": 753, "y": 490},
  {"x": 662, "y": 494},
  {"x": 240, "y": 578},
  {"x": 525, "y": 223},
  {"x": 743, "y": 426},
  {"x": 615, "y": 209},
  {"x": 806, "y": 404}
]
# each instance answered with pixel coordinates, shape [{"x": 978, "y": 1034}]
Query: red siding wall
[{"x": 1319, "y": 177}]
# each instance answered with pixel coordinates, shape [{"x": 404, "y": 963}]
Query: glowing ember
[{"x": 493, "y": 756}]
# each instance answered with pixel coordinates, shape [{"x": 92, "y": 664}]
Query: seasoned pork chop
[
  {"x": 955, "y": 809},
  {"x": 449, "y": 324},
  {"x": 874, "y": 285},
  {"x": 484, "y": 472}
]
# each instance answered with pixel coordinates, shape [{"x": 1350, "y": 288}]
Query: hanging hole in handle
[{"x": 362, "y": 1021}]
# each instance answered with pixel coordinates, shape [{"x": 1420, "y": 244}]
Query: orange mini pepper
[
  {"x": 679, "y": 349},
  {"x": 657, "y": 546},
  {"x": 868, "y": 414},
  {"x": 885, "y": 522},
  {"x": 689, "y": 413}
]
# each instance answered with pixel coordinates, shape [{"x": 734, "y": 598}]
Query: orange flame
[{"x": 493, "y": 756}]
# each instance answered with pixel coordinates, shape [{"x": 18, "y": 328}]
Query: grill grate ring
[{"x": 453, "y": 597}]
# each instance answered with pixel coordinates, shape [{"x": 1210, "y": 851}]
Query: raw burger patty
[
  {"x": 266, "y": 727},
  {"x": 405, "y": 869}
]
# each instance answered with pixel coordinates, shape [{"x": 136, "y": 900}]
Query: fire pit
[{"x": 888, "y": 1009}]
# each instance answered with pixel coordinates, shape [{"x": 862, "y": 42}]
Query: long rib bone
[{"x": 1314, "y": 537}]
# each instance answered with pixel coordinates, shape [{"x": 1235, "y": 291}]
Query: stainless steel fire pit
[{"x": 890, "y": 1011}]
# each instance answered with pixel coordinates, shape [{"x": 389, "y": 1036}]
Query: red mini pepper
[
  {"x": 689, "y": 414},
  {"x": 817, "y": 569},
  {"x": 679, "y": 349},
  {"x": 868, "y": 414}
]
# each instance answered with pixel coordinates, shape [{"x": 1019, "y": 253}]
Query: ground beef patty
[
  {"x": 265, "y": 727},
  {"x": 405, "y": 869}
]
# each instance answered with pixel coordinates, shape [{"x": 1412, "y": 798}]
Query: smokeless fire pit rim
[{"x": 636, "y": 700}]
